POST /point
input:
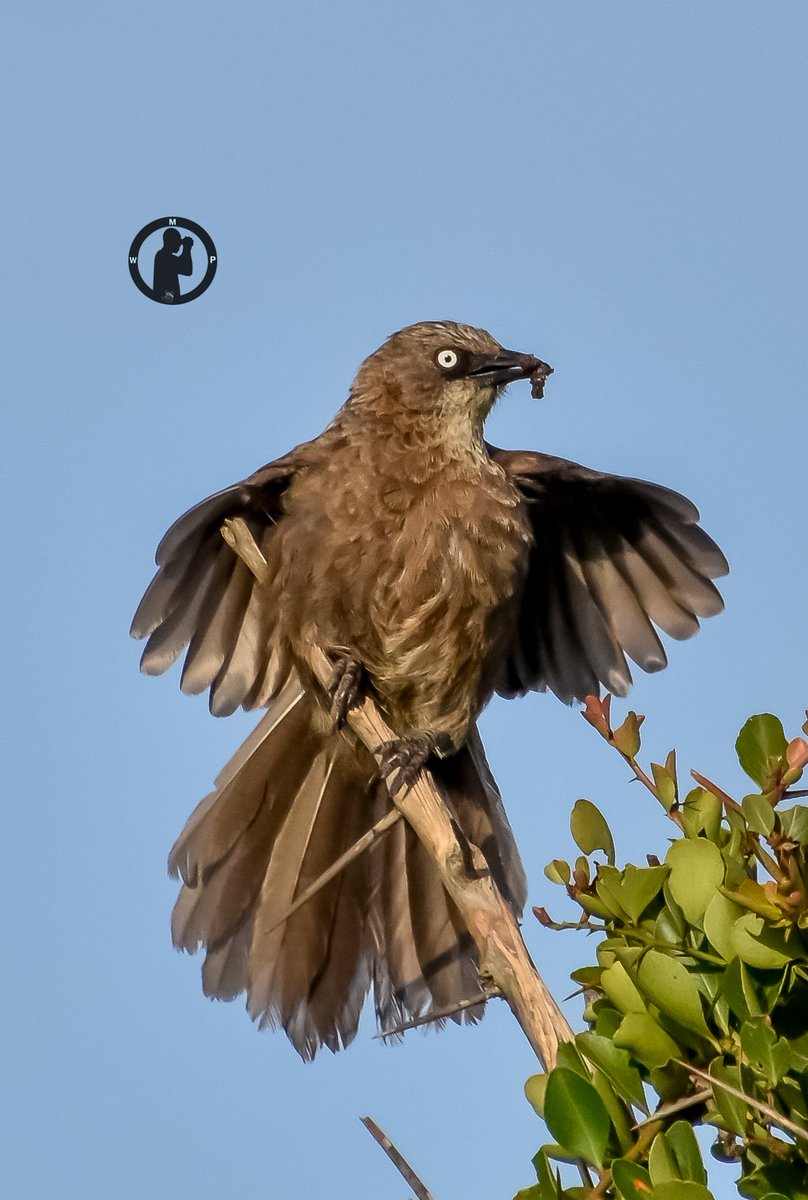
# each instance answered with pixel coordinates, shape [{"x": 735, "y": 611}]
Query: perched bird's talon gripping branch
[{"x": 450, "y": 570}]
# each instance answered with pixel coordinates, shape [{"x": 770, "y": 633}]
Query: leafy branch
[{"x": 697, "y": 1003}]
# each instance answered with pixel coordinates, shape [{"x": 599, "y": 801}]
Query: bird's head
[{"x": 445, "y": 371}]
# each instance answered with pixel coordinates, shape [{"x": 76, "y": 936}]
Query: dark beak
[{"x": 508, "y": 365}]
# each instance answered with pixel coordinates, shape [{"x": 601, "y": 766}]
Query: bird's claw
[
  {"x": 403, "y": 759},
  {"x": 344, "y": 689}
]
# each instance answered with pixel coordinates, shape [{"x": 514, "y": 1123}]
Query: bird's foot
[
  {"x": 403, "y": 759},
  {"x": 345, "y": 689}
]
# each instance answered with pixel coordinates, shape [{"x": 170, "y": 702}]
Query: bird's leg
[
  {"x": 405, "y": 757},
  {"x": 345, "y": 689}
]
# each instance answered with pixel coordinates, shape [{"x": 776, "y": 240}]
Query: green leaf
[
  {"x": 670, "y": 926},
  {"x": 627, "y": 737},
  {"x": 761, "y": 739},
  {"x": 760, "y": 945},
  {"x": 682, "y": 1141},
  {"x": 697, "y": 869},
  {"x": 662, "y": 1164},
  {"x": 622, "y": 1118},
  {"x": 590, "y": 831},
  {"x": 558, "y": 871},
  {"x": 754, "y": 898},
  {"x": 765, "y": 1050},
  {"x": 576, "y": 1116},
  {"x": 670, "y": 986},
  {"x": 535, "y": 1088},
  {"x": 701, "y": 812},
  {"x": 632, "y": 1182},
  {"x": 794, "y": 823},
  {"x": 548, "y": 1181},
  {"x": 739, "y": 989},
  {"x": 719, "y": 922},
  {"x": 731, "y": 1109},
  {"x": 646, "y": 1039},
  {"x": 639, "y": 887},
  {"x": 588, "y": 977},
  {"x": 682, "y": 1189},
  {"x": 621, "y": 990},
  {"x": 615, "y": 1065},
  {"x": 786, "y": 1179},
  {"x": 593, "y": 907},
  {"x": 609, "y": 886},
  {"x": 759, "y": 813},
  {"x": 665, "y": 785},
  {"x": 569, "y": 1058},
  {"x": 607, "y": 1020}
]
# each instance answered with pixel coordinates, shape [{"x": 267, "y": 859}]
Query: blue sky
[{"x": 619, "y": 188}]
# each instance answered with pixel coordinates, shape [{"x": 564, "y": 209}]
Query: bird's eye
[{"x": 447, "y": 359}]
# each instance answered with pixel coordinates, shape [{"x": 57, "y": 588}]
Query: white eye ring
[{"x": 447, "y": 359}]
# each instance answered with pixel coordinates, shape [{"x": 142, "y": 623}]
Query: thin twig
[
  {"x": 668, "y": 1110},
  {"x": 719, "y": 793},
  {"x": 397, "y": 1159},
  {"x": 359, "y": 847},
  {"x": 763, "y": 857},
  {"x": 440, "y": 1014},
  {"x": 774, "y": 1116}
]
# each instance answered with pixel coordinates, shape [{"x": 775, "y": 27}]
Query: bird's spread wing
[
  {"x": 611, "y": 559},
  {"x": 204, "y": 597}
]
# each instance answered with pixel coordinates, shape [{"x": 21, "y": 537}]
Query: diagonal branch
[
  {"x": 397, "y": 1159},
  {"x": 439, "y": 1014},
  {"x": 774, "y": 1116},
  {"x": 504, "y": 958}
]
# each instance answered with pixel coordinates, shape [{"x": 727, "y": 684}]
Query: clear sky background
[{"x": 618, "y": 187}]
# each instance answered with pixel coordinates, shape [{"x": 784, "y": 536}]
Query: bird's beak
[{"x": 508, "y": 365}]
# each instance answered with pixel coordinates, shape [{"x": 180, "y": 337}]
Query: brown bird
[{"x": 435, "y": 570}]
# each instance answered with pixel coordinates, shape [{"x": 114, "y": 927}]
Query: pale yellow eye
[{"x": 447, "y": 359}]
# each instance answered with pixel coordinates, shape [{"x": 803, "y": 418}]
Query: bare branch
[
  {"x": 774, "y": 1116},
  {"x": 397, "y": 1159},
  {"x": 440, "y": 1014}
]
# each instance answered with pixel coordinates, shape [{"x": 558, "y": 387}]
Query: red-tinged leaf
[
  {"x": 797, "y": 753},
  {"x": 596, "y": 712}
]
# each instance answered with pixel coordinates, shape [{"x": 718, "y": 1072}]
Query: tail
[{"x": 293, "y": 799}]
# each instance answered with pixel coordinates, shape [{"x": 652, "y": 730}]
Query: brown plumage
[{"x": 437, "y": 569}]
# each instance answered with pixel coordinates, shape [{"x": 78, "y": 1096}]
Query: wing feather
[
  {"x": 612, "y": 559},
  {"x": 204, "y": 598}
]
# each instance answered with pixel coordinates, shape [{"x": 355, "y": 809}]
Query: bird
[{"x": 435, "y": 570}]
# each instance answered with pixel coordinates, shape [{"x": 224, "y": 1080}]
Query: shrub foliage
[{"x": 697, "y": 1004}]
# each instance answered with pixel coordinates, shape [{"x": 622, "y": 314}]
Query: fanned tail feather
[{"x": 294, "y": 798}]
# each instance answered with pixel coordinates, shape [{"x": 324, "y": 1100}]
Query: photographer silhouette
[{"x": 169, "y": 265}]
